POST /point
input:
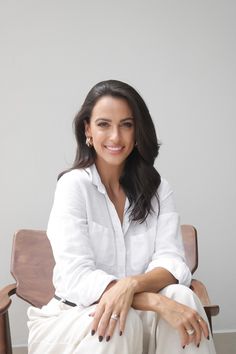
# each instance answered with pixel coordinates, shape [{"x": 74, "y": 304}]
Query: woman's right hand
[
  {"x": 115, "y": 301},
  {"x": 184, "y": 319}
]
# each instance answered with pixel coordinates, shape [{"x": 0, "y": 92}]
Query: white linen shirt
[{"x": 91, "y": 247}]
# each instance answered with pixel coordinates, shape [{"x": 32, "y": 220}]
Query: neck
[{"x": 109, "y": 174}]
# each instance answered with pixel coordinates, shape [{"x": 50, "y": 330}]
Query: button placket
[
  {"x": 119, "y": 237},
  {"x": 126, "y": 221}
]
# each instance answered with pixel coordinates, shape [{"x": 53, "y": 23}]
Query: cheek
[
  {"x": 98, "y": 139},
  {"x": 131, "y": 137},
  {"x": 98, "y": 136}
]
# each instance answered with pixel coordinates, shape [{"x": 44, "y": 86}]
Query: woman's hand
[
  {"x": 187, "y": 321},
  {"x": 115, "y": 302}
]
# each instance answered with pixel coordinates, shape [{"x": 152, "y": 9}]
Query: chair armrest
[
  {"x": 200, "y": 290},
  {"x": 5, "y": 294},
  {"x": 212, "y": 310}
]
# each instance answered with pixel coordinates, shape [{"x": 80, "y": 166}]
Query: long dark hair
[{"x": 140, "y": 179}]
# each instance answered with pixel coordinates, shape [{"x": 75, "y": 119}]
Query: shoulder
[
  {"x": 73, "y": 180},
  {"x": 164, "y": 189},
  {"x": 76, "y": 175}
]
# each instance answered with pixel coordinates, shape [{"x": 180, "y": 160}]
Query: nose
[{"x": 115, "y": 134}]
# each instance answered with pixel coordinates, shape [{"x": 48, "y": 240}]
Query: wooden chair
[{"x": 32, "y": 265}]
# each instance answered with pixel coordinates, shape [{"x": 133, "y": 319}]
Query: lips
[{"x": 114, "y": 149}]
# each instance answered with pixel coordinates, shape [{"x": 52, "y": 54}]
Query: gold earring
[{"x": 89, "y": 141}]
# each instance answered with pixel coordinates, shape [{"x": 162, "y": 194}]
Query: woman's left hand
[
  {"x": 184, "y": 319},
  {"x": 113, "y": 308}
]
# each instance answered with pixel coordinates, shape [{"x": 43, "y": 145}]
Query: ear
[{"x": 87, "y": 129}]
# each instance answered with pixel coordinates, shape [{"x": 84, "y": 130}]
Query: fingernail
[
  {"x": 183, "y": 346},
  {"x": 92, "y": 332},
  {"x": 121, "y": 333},
  {"x": 100, "y": 338},
  {"x": 208, "y": 337},
  {"x": 198, "y": 345},
  {"x": 108, "y": 338}
]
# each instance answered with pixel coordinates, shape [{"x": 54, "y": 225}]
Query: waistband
[{"x": 65, "y": 301}]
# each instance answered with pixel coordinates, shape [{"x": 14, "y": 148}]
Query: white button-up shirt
[{"x": 91, "y": 247}]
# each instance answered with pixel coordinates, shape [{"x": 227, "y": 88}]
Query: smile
[{"x": 114, "y": 148}]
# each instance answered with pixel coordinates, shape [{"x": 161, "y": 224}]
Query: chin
[
  {"x": 111, "y": 161},
  {"x": 114, "y": 160}
]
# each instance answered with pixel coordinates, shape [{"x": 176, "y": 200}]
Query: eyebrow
[{"x": 109, "y": 120}]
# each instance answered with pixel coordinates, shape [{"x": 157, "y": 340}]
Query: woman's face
[{"x": 112, "y": 130}]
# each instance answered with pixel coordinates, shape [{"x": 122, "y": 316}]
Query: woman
[{"x": 120, "y": 276}]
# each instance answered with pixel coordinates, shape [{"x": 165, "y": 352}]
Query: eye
[
  {"x": 103, "y": 124},
  {"x": 128, "y": 124}
]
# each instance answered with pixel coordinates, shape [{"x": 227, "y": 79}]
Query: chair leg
[
  {"x": 5, "y": 336},
  {"x": 209, "y": 320}
]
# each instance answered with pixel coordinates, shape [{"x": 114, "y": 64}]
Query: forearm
[
  {"x": 153, "y": 281},
  {"x": 146, "y": 301},
  {"x": 150, "y": 282},
  {"x": 143, "y": 301}
]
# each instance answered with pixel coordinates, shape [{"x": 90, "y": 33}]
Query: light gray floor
[{"x": 225, "y": 344}]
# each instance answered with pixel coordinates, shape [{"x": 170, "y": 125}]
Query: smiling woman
[
  {"x": 120, "y": 275},
  {"x": 110, "y": 130},
  {"x": 110, "y": 101}
]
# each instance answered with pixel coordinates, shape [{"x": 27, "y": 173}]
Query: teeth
[{"x": 112, "y": 148}]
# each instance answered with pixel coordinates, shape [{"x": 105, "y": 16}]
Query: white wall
[{"x": 180, "y": 55}]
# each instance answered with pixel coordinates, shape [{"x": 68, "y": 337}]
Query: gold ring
[{"x": 199, "y": 320}]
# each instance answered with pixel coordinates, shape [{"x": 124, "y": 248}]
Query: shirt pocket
[
  {"x": 102, "y": 240},
  {"x": 141, "y": 249}
]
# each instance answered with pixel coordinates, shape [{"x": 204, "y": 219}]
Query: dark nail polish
[
  {"x": 198, "y": 345},
  {"x": 92, "y": 332},
  {"x": 208, "y": 337},
  {"x": 121, "y": 333},
  {"x": 108, "y": 338},
  {"x": 100, "y": 338},
  {"x": 183, "y": 346}
]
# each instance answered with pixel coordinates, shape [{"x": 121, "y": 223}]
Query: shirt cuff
[
  {"x": 93, "y": 287},
  {"x": 176, "y": 267}
]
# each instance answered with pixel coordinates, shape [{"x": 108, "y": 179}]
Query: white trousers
[{"x": 61, "y": 329}]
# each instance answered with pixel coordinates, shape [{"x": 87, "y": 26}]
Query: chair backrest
[
  {"x": 32, "y": 263},
  {"x": 189, "y": 234}
]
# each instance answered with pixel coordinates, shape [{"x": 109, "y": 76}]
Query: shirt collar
[{"x": 95, "y": 178}]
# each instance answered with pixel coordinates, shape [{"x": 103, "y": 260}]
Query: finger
[
  {"x": 184, "y": 337},
  {"x": 103, "y": 325},
  {"x": 96, "y": 319},
  {"x": 196, "y": 338},
  {"x": 123, "y": 317},
  {"x": 204, "y": 326},
  {"x": 112, "y": 325},
  {"x": 200, "y": 326},
  {"x": 190, "y": 331},
  {"x": 193, "y": 328}
]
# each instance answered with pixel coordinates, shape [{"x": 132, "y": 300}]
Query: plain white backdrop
[{"x": 180, "y": 55}]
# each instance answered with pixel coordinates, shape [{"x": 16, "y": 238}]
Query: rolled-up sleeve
[
  {"x": 169, "y": 251},
  {"x": 68, "y": 233}
]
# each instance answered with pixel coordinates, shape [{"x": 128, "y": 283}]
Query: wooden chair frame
[{"x": 32, "y": 265}]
